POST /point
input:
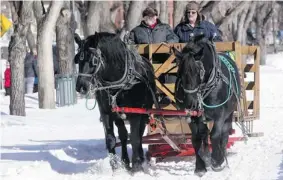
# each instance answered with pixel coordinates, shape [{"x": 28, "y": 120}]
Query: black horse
[
  {"x": 120, "y": 77},
  {"x": 209, "y": 83}
]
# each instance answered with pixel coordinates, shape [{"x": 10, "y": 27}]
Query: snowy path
[{"x": 67, "y": 143}]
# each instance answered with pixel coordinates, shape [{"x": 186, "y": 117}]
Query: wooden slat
[
  {"x": 170, "y": 86},
  {"x": 246, "y": 50},
  {"x": 168, "y": 93},
  {"x": 250, "y": 85},
  {"x": 161, "y": 48},
  {"x": 257, "y": 85},
  {"x": 250, "y": 68},
  {"x": 164, "y": 66},
  {"x": 220, "y": 47},
  {"x": 156, "y": 66},
  {"x": 224, "y": 46},
  {"x": 169, "y": 107},
  {"x": 142, "y": 48},
  {"x": 250, "y": 104}
]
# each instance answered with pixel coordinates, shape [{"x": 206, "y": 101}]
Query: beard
[{"x": 150, "y": 22}]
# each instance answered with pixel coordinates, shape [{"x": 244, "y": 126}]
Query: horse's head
[
  {"x": 190, "y": 64},
  {"x": 190, "y": 69},
  {"x": 89, "y": 60}
]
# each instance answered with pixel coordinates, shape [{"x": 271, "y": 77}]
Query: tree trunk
[
  {"x": 263, "y": 15},
  {"x": 93, "y": 17},
  {"x": 240, "y": 28},
  {"x": 45, "y": 59},
  {"x": 31, "y": 40},
  {"x": 83, "y": 8},
  {"x": 17, "y": 53},
  {"x": 178, "y": 11},
  {"x": 157, "y": 6},
  {"x": 134, "y": 14},
  {"x": 65, "y": 40},
  {"x": 163, "y": 12},
  {"x": 248, "y": 20},
  {"x": 106, "y": 24},
  {"x": 232, "y": 13}
]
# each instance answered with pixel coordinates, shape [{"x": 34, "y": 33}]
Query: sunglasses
[{"x": 191, "y": 12}]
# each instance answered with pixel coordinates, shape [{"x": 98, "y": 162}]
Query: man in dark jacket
[
  {"x": 193, "y": 24},
  {"x": 152, "y": 30},
  {"x": 31, "y": 71}
]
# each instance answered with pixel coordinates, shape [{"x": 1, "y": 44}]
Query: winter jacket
[
  {"x": 184, "y": 31},
  {"x": 7, "y": 78},
  {"x": 143, "y": 34}
]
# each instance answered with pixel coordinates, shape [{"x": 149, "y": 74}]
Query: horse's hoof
[
  {"x": 200, "y": 173},
  {"x": 127, "y": 166},
  {"x": 218, "y": 168},
  {"x": 206, "y": 157},
  {"x": 110, "y": 141},
  {"x": 137, "y": 167}
]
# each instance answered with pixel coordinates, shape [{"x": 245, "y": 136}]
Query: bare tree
[
  {"x": 65, "y": 29},
  {"x": 163, "y": 12},
  {"x": 93, "y": 17},
  {"x": 22, "y": 16},
  {"x": 45, "y": 27},
  {"x": 83, "y": 9},
  {"x": 207, "y": 6},
  {"x": 97, "y": 16},
  {"x": 134, "y": 14},
  {"x": 264, "y": 12},
  {"x": 31, "y": 39},
  {"x": 178, "y": 11},
  {"x": 107, "y": 18},
  {"x": 243, "y": 20}
]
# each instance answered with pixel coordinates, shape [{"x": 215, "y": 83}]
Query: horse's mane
[
  {"x": 115, "y": 52},
  {"x": 111, "y": 46},
  {"x": 188, "y": 65}
]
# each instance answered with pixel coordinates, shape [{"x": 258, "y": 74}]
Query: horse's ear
[
  {"x": 177, "y": 53},
  {"x": 77, "y": 39},
  {"x": 199, "y": 37}
]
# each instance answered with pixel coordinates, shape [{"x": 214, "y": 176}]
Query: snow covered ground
[{"x": 67, "y": 143}]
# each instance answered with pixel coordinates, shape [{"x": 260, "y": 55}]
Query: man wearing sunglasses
[
  {"x": 193, "y": 24},
  {"x": 152, "y": 30}
]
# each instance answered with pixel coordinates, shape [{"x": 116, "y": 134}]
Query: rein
[{"x": 130, "y": 78}]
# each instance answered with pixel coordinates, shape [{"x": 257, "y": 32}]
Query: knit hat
[
  {"x": 193, "y": 5},
  {"x": 149, "y": 12}
]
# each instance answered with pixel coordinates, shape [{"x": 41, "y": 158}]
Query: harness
[
  {"x": 204, "y": 89},
  {"x": 130, "y": 78}
]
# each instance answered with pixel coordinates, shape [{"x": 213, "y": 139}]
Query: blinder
[
  {"x": 201, "y": 70},
  {"x": 96, "y": 56}
]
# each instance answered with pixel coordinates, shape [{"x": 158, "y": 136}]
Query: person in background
[
  {"x": 7, "y": 79},
  {"x": 30, "y": 71},
  {"x": 151, "y": 30},
  {"x": 35, "y": 86},
  {"x": 193, "y": 24}
]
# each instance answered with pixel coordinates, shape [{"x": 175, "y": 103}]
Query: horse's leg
[
  {"x": 217, "y": 158},
  {"x": 135, "y": 121},
  {"x": 144, "y": 119},
  {"x": 225, "y": 134},
  {"x": 204, "y": 149},
  {"x": 110, "y": 139},
  {"x": 200, "y": 169},
  {"x": 123, "y": 136}
]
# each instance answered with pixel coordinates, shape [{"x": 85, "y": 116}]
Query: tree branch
[
  {"x": 232, "y": 13},
  {"x": 268, "y": 16},
  {"x": 209, "y": 6},
  {"x": 250, "y": 15}
]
